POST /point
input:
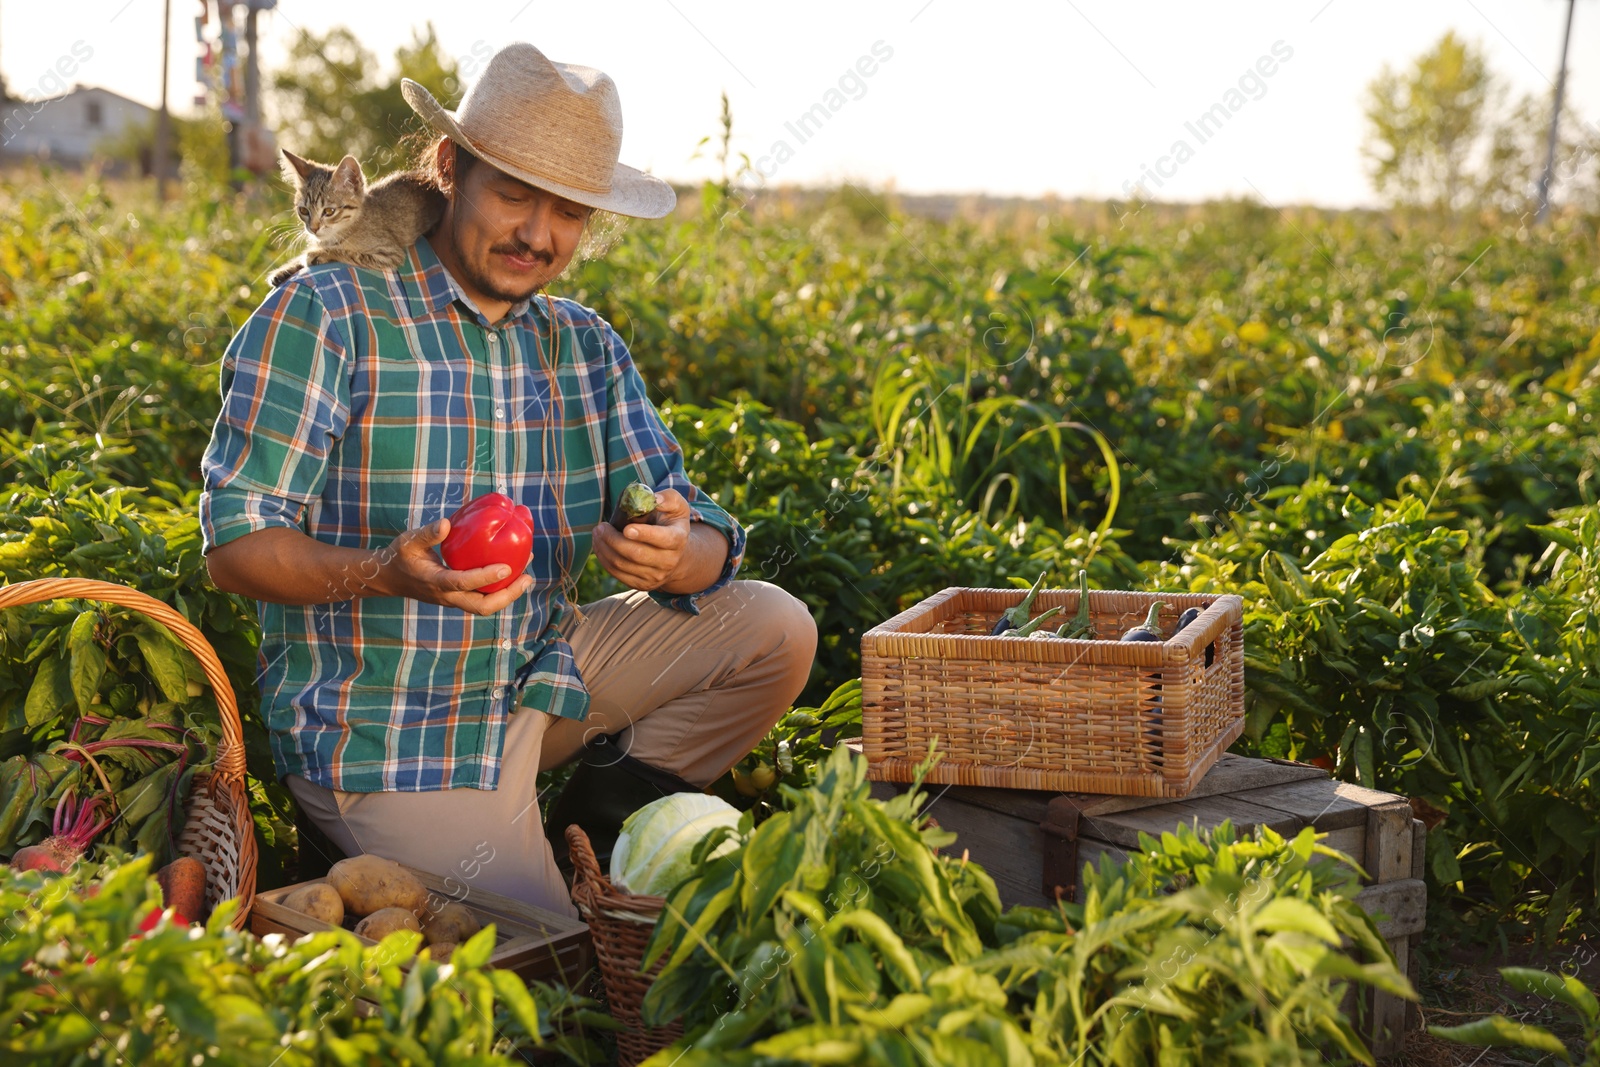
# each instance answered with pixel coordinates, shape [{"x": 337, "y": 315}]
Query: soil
[{"x": 1460, "y": 983}]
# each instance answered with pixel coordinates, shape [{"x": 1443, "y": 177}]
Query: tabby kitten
[{"x": 348, "y": 221}]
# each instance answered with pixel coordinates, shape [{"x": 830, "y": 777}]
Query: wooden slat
[
  {"x": 1123, "y": 828},
  {"x": 1009, "y": 849},
  {"x": 1388, "y": 855},
  {"x": 1323, "y": 803},
  {"x": 1352, "y": 841},
  {"x": 1400, "y": 908},
  {"x": 1419, "y": 848},
  {"x": 1385, "y": 1031},
  {"x": 1090, "y": 851},
  {"x": 1231, "y": 774}
]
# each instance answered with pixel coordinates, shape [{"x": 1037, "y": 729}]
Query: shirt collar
[{"x": 439, "y": 289}]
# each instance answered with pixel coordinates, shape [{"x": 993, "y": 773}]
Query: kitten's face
[{"x": 327, "y": 199}]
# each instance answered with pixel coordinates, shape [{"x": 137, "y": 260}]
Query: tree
[
  {"x": 1425, "y": 122},
  {"x": 1516, "y": 154},
  {"x": 330, "y": 98}
]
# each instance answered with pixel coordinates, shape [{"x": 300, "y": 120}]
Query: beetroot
[{"x": 75, "y": 827}]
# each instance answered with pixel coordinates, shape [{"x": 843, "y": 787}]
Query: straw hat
[{"x": 557, "y": 126}]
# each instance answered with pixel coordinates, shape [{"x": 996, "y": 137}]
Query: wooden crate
[
  {"x": 530, "y": 941},
  {"x": 1034, "y": 844}
]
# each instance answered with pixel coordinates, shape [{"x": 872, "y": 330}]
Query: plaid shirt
[{"x": 357, "y": 404}]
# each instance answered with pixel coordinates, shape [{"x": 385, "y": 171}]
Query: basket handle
[
  {"x": 584, "y": 864},
  {"x": 230, "y": 756}
]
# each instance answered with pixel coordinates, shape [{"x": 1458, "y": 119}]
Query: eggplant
[
  {"x": 1012, "y": 618},
  {"x": 636, "y": 504},
  {"x": 1031, "y": 627},
  {"x": 1083, "y": 625},
  {"x": 1184, "y": 620},
  {"x": 1150, "y": 629}
]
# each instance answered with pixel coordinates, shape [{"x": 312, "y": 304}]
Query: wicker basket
[
  {"x": 620, "y": 926},
  {"x": 1103, "y": 716},
  {"x": 218, "y": 828}
]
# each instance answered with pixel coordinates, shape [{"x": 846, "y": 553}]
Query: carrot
[{"x": 183, "y": 887}]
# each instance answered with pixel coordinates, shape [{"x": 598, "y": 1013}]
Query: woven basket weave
[
  {"x": 1102, "y": 716},
  {"x": 620, "y": 925},
  {"x": 218, "y": 829}
]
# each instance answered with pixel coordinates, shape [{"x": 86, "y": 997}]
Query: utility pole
[
  {"x": 164, "y": 119},
  {"x": 252, "y": 72},
  {"x": 1549, "y": 174}
]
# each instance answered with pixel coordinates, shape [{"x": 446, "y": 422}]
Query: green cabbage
[{"x": 652, "y": 853}]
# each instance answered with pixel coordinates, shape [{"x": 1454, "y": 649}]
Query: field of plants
[{"x": 1379, "y": 431}]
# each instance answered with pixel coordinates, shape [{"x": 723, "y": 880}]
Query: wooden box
[
  {"x": 1103, "y": 716},
  {"x": 532, "y": 942},
  {"x": 1034, "y": 844}
]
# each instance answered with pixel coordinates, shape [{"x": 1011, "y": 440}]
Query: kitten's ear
[
  {"x": 294, "y": 168},
  {"x": 348, "y": 172}
]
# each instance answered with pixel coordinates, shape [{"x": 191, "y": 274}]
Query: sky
[{"x": 1072, "y": 97}]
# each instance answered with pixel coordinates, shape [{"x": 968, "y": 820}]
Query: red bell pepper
[{"x": 487, "y": 530}]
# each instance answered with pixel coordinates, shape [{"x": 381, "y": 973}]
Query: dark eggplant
[
  {"x": 1150, "y": 629},
  {"x": 1083, "y": 625},
  {"x": 1031, "y": 627},
  {"x": 1012, "y": 618},
  {"x": 1184, "y": 620},
  {"x": 637, "y": 504}
]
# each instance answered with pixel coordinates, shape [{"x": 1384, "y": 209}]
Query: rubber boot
[{"x": 606, "y": 787}]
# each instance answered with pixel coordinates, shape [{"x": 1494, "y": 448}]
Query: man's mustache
[{"x": 523, "y": 252}]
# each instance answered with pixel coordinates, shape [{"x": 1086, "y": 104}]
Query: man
[{"x": 408, "y": 713}]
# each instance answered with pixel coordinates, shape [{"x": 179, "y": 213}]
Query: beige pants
[{"x": 694, "y": 694}]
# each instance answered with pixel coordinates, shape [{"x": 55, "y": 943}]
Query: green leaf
[
  {"x": 50, "y": 695},
  {"x": 475, "y": 951},
  {"x": 771, "y": 861},
  {"x": 899, "y": 1013},
  {"x": 1565, "y": 988},
  {"x": 88, "y": 659},
  {"x": 1499, "y": 1032},
  {"x": 513, "y": 994},
  {"x": 891, "y": 951},
  {"x": 1559, "y": 534},
  {"x": 163, "y": 661}
]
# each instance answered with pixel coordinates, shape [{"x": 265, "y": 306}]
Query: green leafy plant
[
  {"x": 80, "y": 983},
  {"x": 836, "y": 933}
]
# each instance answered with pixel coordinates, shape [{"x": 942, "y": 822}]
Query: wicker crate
[{"x": 1104, "y": 716}]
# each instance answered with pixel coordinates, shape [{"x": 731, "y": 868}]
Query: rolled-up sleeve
[
  {"x": 641, "y": 448},
  {"x": 285, "y": 403}
]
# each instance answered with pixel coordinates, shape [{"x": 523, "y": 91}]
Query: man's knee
[{"x": 774, "y": 620}]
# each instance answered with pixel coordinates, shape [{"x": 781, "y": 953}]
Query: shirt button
[
  {"x": 497, "y": 692},
  {"x": 499, "y": 413},
  {"x": 503, "y": 491},
  {"x": 506, "y": 645}
]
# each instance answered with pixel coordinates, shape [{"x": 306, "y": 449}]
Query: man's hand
[
  {"x": 643, "y": 556},
  {"x": 410, "y": 567}
]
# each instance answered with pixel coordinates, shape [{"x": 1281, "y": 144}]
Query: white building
[{"x": 68, "y": 129}]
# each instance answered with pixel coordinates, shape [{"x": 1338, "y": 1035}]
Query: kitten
[{"x": 348, "y": 221}]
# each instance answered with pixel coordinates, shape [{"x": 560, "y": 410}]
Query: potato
[
  {"x": 386, "y": 921},
  {"x": 441, "y": 952},
  {"x": 318, "y": 900},
  {"x": 371, "y": 883},
  {"x": 453, "y": 922}
]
